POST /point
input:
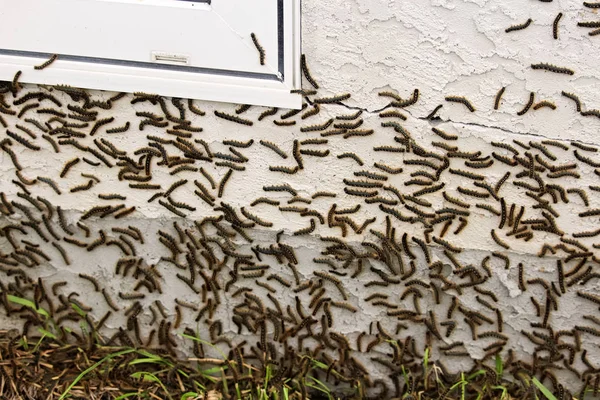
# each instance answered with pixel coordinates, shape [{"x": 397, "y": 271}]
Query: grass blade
[{"x": 547, "y": 393}]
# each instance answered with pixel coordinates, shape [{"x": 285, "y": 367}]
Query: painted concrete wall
[{"x": 441, "y": 48}]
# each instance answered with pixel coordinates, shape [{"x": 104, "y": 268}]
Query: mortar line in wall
[{"x": 376, "y": 111}]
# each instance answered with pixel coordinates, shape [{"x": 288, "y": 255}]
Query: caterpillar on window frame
[
  {"x": 518, "y": 27},
  {"x": 306, "y": 72},
  {"x": 528, "y": 105},
  {"x": 462, "y": 100}
]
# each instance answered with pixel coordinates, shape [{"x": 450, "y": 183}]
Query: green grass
[{"x": 137, "y": 373}]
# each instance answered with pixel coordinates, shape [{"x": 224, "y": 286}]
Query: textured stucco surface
[{"x": 363, "y": 47}]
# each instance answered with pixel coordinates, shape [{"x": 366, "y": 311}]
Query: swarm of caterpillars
[{"x": 390, "y": 236}]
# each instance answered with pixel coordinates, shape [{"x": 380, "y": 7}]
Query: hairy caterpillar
[
  {"x": 552, "y": 68},
  {"x": 233, "y": 118},
  {"x": 306, "y": 72},
  {"x": 462, "y": 100},
  {"x": 518, "y": 27},
  {"x": 528, "y": 105},
  {"x": 555, "y": 25}
]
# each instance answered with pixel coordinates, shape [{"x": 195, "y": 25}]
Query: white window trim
[{"x": 219, "y": 76}]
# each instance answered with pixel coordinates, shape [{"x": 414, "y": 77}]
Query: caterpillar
[
  {"x": 392, "y": 114},
  {"x": 353, "y": 156},
  {"x": 405, "y": 103},
  {"x": 223, "y": 182},
  {"x": 552, "y": 68},
  {"x": 267, "y": 113},
  {"x": 332, "y": 99},
  {"x": 284, "y": 123},
  {"x": 555, "y": 25},
  {"x": 255, "y": 218},
  {"x": 573, "y": 97},
  {"x": 544, "y": 103},
  {"x": 518, "y": 27},
  {"x": 306, "y": 72},
  {"x": 358, "y": 132},
  {"x": 317, "y": 127},
  {"x": 528, "y": 105},
  {"x": 242, "y": 108},
  {"x": 50, "y": 183},
  {"x": 264, "y": 200},
  {"x": 233, "y": 118},
  {"x": 314, "y": 111},
  {"x": 120, "y": 129},
  {"x": 462, "y": 100},
  {"x": 306, "y": 230},
  {"x": 180, "y": 205},
  {"x": 592, "y": 24},
  {"x": 92, "y": 280},
  {"x": 15, "y": 85},
  {"x": 499, "y": 98},
  {"x": 109, "y": 301},
  {"x": 124, "y": 212},
  {"x": 315, "y": 153},
  {"x": 83, "y": 187},
  {"x": 592, "y": 113},
  {"x": 281, "y": 188},
  {"x": 349, "y": 125},
  {"x": 390, "y": 149},
  {"x": 23, "y": 141}
]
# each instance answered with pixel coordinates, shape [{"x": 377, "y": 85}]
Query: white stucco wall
[{"x": 443, "y": 48}]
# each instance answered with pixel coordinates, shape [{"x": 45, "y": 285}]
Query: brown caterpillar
[
  {"x": 544, "y": 103},
  {"x": 306, "y": 72},
  {"x": 462, "y": 100},
  {"x": 317, "y": 127},
  {"x": 267, "y": 113},
  {"x": 574, "y": 98},
  {"x": 592, "y": 24},
  {"x": 261, "y": 50},
  {"x": 528, "y": 105},
  {"x": 119, "y": 129},
  {"x": 313, "y": 111},
  {"x": 332, "y": 99},
  {"x": 555, "y": 25},
  {"x": 100, "y": 123},
  {"x": 518, "y": 27},
  {"x": 50, "y": 183},
  {"x": 499, "y": 98},
  {"x": 233, "y": 118},
  {"x": 552, "y": 68}
]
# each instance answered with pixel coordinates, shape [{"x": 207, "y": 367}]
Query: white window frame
[{"x": 114, "y": 44}]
